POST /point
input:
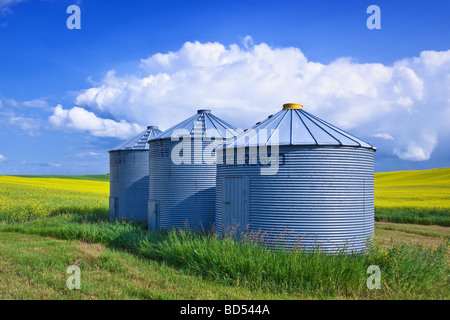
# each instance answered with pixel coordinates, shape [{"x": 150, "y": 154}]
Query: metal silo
[
  {"x": 128, "y": 175},
  {"x": 318, "y": 192},
  {"x": 183, "y": 173}
]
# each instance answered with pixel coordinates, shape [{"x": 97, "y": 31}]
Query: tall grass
[
  {"x": 440, "y": 217},
  {"x": 407, "y": 271},
  {"x": 73, "y": 210},
  {"x": 93, "y": 228}
]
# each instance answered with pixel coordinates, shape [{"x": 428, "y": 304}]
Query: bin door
[
  {"x": 236, "y": 204},
  {"x": 153, "y": 215}
]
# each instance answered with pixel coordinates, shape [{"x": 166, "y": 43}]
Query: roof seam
[
  {"x": 306, "y": 115},
  {"x": 277, "y": 127},
  {"x": 214, "y": 126},
  {"x": 310, "y": 133},
  {"x": 345, "y": 134},
  {"x": 137, "y": 142}
]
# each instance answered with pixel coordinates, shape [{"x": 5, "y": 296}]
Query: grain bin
[
  {"x": 128, "y": 175},
  {"x": 320, "y": 193},
  {"x": 183, "y": 173}
]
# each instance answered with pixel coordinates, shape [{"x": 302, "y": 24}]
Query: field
[
  {"x": 49, "y": 223},
  {"x": 421, "y": 197},
  {"x": 23, "y": 199}
]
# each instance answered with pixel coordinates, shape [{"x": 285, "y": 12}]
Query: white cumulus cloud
[
  {"x": 418, "y": 150},
  {"x": 80, "y": 119},
  {"x": 2, "y": 158},
  {"x": 408, "y": 100}
]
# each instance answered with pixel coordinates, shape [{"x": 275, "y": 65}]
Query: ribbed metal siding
[
  {"x": 128, "y": 184},
  {"x": 320, "y": 195},
  {"x": 185, "y": 193}
]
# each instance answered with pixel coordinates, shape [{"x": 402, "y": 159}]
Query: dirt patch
[
  {"x": 89, "y": 252},
  {"x": 424, "y": 230},
  {"x": 387, "y": 238},
  {"x": 387, "y": 234}
]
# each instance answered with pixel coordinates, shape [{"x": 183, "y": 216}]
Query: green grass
[
  {"x": 47, "y": 220},
  {"x": 408, "y": 271},
  {"x": 34, "y": 267},
  {"x": 440, "y": 217},
  {"x": 433, "y": 231}
]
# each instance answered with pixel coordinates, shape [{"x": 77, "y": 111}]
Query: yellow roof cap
[{"x": 287, "y": 106}]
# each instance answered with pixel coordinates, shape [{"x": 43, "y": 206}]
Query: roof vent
[
  {"x": 152, "y": 127},
  {"x": 204, "y": 111}
]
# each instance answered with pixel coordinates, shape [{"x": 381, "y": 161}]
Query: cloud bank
[
  {"x": 82, "y": 120},
  {"x": 404, "y": 106}
]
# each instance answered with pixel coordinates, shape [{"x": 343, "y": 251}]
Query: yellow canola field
[
  {"x": 27, "y": 198},
  {"x": 425, "y": 189}
]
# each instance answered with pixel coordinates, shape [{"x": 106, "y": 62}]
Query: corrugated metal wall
[
  {"x": 184, "y": 194},
  {"x": 320, "y": 195},
  {"x": 128, "y": 184}
]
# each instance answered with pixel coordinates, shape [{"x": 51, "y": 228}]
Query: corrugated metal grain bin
[
  {"x": 128, "y": 175},
  {"x": 183, "y": 173},
  {"x": 319, "y": 192}
]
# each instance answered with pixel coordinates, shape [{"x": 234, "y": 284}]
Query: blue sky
[{"x": 68, "y": 96}]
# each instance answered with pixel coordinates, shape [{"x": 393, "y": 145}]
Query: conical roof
[
  {"x": 198, "y": 124},
  {"x": 295, "y": 127},
  {"x": 140, "y": 141}
]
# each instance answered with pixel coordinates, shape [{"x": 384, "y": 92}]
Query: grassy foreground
[
  {"x": 408, "y": 271},
  {"x": 47, "y": 224},
  {"x": 34, "y": 267}
]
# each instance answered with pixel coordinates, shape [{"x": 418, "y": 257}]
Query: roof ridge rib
[
  {"x": 329, "y": 125},
  {"x": 136, "y": 142},
  {"x": 312, "y": 136},
  {"x": 228, "y": 127},
  {"x": 276, "y": 128},
  {"x": 291, "y": 128},
  {"x": 212, "y": 122},
  {"x": 223, "y": 123},
  {"x": 307, "y": 116}
]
